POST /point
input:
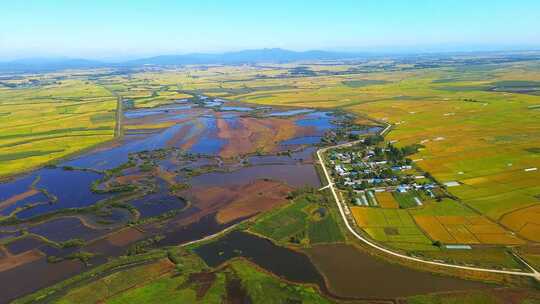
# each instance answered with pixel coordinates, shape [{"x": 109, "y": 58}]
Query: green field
[
  {"x": 393, "y": 227},
  {"x": 116, "y": 283},
  {"x": 444, "y": 207},
  {"x": 302, "y": 221},
  {"x": 325, "y": 230},
  {"x": 406, "y": 200},
  {"x": 283, "y": 223},
  {"x": 484, "y": 257}
]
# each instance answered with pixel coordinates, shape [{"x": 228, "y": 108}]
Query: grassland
[
  {"x": 480, "y": 137},
  {"x": 262, "y": 288}
]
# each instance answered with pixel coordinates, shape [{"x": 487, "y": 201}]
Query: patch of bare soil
[
  {"x": 124, "y": 237},
  {"x": 202, "y": 282},
  {"x": 256, "y": 197},
  {"x": 9, "y": 261}
]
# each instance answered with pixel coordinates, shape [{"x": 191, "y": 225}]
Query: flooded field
[
  {"x": 64, "y": 229},
  {"x": 352, "y": 273},
  {"x": 296, "y": 175},
  {"x": 33, "y": 274},
  {"x": 48, "y": 190},
  {"x": 180, "y": 173},
  {"x": 22, "y": 245}
]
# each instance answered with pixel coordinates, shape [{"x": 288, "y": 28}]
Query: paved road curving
[{"x": 534, "y": 274}]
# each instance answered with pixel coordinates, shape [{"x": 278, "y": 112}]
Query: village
[{"x": 372, "y": 167}]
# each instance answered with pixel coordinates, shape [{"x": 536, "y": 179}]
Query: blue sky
[{"x": 122, "y": 28}]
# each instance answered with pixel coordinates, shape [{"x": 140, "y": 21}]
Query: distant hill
[
  {"x": 274, "y": 55},
  {"x": 247, "y": 56}
]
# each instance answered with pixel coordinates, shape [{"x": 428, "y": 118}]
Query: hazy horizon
[{"x": 133, "y": 29}]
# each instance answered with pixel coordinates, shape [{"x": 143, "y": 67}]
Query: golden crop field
[
  {"x": 465, "y": 230},
  {"x": 47, "y": 122},
  {"x": 387, "y": 200},
  {"x": 526, "y": 222}
]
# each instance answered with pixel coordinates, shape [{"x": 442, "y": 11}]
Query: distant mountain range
[
  {"x": 248, "y": 56},
  {"x": 274, "y": 55}
]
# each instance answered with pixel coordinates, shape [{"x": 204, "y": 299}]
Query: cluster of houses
[{"x": 366, "y": 169}]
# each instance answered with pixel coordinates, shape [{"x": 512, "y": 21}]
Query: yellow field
[
  {"x": 45, "y": 123},
  {"x": 526, "y": 222},
  {"x": 386, "y": 200},
  {"x": 465, "y": 230},
  {"x": 434, "y": 228}
]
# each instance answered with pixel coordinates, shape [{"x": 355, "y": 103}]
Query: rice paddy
[
  {"x": 526, "y": 222},
  {"x": 465, "y": 230},
  {"x": 51, "y": 121},
  {"x": 387, "y": 200},
  {"x": 393, "y": 227}
]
